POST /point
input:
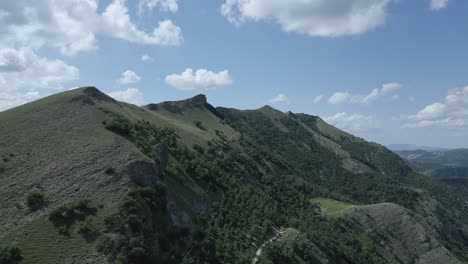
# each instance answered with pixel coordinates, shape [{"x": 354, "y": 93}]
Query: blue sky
[{"x": 388, "y": 71}]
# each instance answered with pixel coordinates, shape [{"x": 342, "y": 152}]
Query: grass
[
  {"x": 40, "y": 242},
  {"x": 333, "y": 208}
]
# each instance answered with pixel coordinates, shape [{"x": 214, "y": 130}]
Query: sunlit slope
[{"x": 184, "y": 182}]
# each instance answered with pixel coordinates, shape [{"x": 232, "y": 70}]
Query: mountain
[
  {"x": 449, "y": 166},
  {"x": 409, "y": 147},
  {"x": 88, "y": 179},
  {"x": 449, "y": 158}
]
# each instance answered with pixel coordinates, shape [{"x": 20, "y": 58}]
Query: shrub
[
  {"x": 120, "y": 126},
  {"x": 198, "y": 148},
  {"x": 10, "y": 255},
  {"x": 35, "y": 200},
  {"x": 105, "y": 245},
  {"x": 88, "y": 231},
  {"x": 199, "y": 124},
  {"x": 67, "y": 215},
  {"x": 109, "y": 171}
]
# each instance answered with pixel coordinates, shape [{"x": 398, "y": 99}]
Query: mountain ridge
[{"x": 200, "y": 184}]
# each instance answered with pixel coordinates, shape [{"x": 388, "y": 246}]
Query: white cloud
[
  {"x": 165, "y": 5},
  {"x": 452, "y": 112},
  {"x": 117, "y": 23},
  {"x": 147, "y": 57},
  {"x": 129, "y": 76},
  {"x": 131, "y": 95},
  {"x": 432, "y": 111},
  {"x": 22, "y": 73},
  {"x": 71, "y": 26},
  {"x": 324, "y": 18},
  {"x": 200, "y": 80},
  {"x": 317, "y": 99},
  {"x": 9, "y": 99},
  {"x": 22, "y": 68},
  {"x": 280, "y": 98},
  {"x": 438, "y": 4},
  {"x": 340, "y": 98},
  {"x": 375, "y": 94},
  {"x": 352, "y": 122},
  {"x": 390, "y": 87}
]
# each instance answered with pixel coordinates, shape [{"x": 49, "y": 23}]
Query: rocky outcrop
[
  {"x": 400, "y": 238},
  {"x": 143, "y": 173}
]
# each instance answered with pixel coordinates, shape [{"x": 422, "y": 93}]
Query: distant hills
[
  {"x": 445, "y": 165},
  {"x": 88, "y": 179},
  {"x": 409, "y": 147}
]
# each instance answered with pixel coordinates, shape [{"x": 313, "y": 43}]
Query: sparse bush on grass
[
  {"x": 10, "y": 255},
  {"x": 120, "y": 126},
  {"x": 105, "y": 245},
  {"x": 63, "y": 217},
  {"x": 109, "y": 170},
  {"x": 199, "y": 124},
  {"x": 198, "y": 148},
  {"x": 88, "y": 230},
  {"x": 5, "y": 159},
  {"x": 35, "y": 200}
]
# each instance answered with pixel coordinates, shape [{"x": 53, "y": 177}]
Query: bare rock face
[
  {"x": 400, "y": 237},
  {"x": 143, "y": 173}
]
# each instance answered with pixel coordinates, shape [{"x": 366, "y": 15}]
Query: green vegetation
[
  {"x": 63, "y": 217},
  {"x": 199, "y": 124},
  {"x": 120, "y": 126},
  {"x": 212, "y": 192},
  {"x": 35, "y": 200},
  {"x": 332, "y": 208},
  {"x": 88, "y": 230},
  {"x": 10, "y": 255}
]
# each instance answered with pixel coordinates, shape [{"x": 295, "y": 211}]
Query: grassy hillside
[{"x": 87, "y": 179}]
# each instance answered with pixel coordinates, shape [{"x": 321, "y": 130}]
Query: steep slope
[
  {"x": 86, "y": 178},
  {"x": 409, "y": 243}
]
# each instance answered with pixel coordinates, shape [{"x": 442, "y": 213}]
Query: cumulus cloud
[
  {"x": 438, "y": 4},
  {"x": 341, "y": 98},
  {"x": 324, "y": 18},
  {"x": 375, "y": 94},
  {"x": 452, "y": 112},
  {"x": 117, "y": 23},
  {"x": 71, "y": 26},
  {"x": 280, "y": 98},
  {"x": 9, "y": 99},
  {"x": 22, "y": 68},
  {"x": 165, "y": 5},
  {"x": 128, "y": 77},
  {"x": 352, "y": 122},
  {"x": 130, "y": 95},
  {"x": 390, "y": 87},
  {"x": 200, "y": 80},
  {"x": 22, "y": 73},
  {"x": 146, "y": 57},
  {"x": 317, "y": 99}
]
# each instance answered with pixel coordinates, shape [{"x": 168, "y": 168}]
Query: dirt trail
[{"x": 278, "y": 233}]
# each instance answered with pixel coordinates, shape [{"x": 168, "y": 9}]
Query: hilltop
[{"x": 85, "y": 178}]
